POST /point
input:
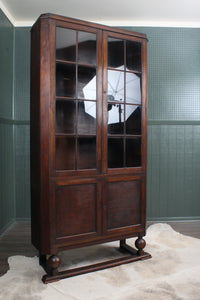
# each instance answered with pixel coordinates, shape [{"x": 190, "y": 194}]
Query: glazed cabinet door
[
  {"x": 124, "y": 136},
  {"x": 125, "y": 117},
  {"x": 76, "y": 139}
]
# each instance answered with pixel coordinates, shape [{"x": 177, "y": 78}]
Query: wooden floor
[{"x": 17, "y": 240}]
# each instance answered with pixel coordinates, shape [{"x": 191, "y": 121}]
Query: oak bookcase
[{"x": 88, "y": 140}]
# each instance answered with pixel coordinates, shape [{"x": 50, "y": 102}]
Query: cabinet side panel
[{"x": 35, "y": 136}]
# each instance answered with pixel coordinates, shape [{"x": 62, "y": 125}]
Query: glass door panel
[
  {"x": 124, "y": 103},
  {"x": 86, "y": 118},
  {"x": 115, "y": 53},
  {"x": 87, "y": 48},
  {"x": 76, "y": 79},
  {"x": 133, "y": 88},
  {"x": 65, "y": 44},
  {"x": 65, "y": 117},
  {"x": 65, "y": 80},
  {"x": 115, "y": 118},
  {"x": 115, "y": 153},
  {"x": 65, "y": 153},
  {"x": 87, "y": 82},
  {"x": 133, "y": 152},
  {"x": 87, "y": 153},
  {"x": 116, "y": 85},
  {"x": 133, "y": 56},
  {"x": 133, "y": 121}
]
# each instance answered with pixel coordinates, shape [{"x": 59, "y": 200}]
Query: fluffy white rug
[{"x": 172, "y": 273}]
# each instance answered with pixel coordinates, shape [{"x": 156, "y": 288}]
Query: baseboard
[
  {"x": 174, "y": 219},
  {"x": 6, "y": 227}
]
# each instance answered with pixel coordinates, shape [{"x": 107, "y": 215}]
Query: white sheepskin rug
[{"x": 173, "y": 272}]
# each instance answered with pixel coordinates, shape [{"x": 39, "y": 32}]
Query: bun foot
[
  {"x": 140, "y": 244},
  {"x": 53, "y": 263}
]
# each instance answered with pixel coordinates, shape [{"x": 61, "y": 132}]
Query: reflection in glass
[
  {"x": 115, "y": 53},
  {"x": 87, "y": 48},
  {"x": 87, "y": 153},
  {"x": 133, "y": 122},
  {"x": 116, "y": 84},
  {"x": 65, "y": 80},
  {"x": 115, "y": 118},
  {"x": 115, "y": 153},
  {"x": 133, "y": 90},
  {"x": 133, "y": 55},
  {"x": 87, "y": 117},
  {"x": 65, "y": 153},
  {"x": 65, "y": 44},
  {"x": 87, "y": 83},
  {"x": 65, "y": 117},
  {"x": 133, "y": 152}
]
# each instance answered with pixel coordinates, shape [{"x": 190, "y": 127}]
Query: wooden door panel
[
  {"x": 76, "y": 210},
  {"x": 124, "y": 204}
]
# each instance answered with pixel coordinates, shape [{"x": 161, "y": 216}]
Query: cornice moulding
[{"x": 7, "y": 13}]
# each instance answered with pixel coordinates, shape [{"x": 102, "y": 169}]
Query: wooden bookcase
[{"x": 88, "y": 139}]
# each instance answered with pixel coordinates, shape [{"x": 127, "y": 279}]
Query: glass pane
[
  {"x": 65, "y": 153},
  {"x": 133, "y": 119},
  {"x": 133, "y": 89},
  {"x": 87, "y": 153},
  {"x": 65, "y": 44},
  {"x": 65, "y": 80},
  {"x": 115, "y": 53},
  {"x": 115, "y": 118},
  {"x": 115, "y": 85},
  {"x": 87, "y": 83},
  {"x": 133, "y": 56},
  {"x": 65, "y": 117},
  {"x": 87, "y": 48},
  {"x": 115, "y": 153},
  {"x": 133, "y": 152},
  {"x": 87, "y": 117}
]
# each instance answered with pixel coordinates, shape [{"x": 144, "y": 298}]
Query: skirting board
[
  {"x": 6, "y": 227},
  {"x": 174, "y": 219}
]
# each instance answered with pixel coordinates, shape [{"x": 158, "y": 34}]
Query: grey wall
[{"x": 174, "y": 123}]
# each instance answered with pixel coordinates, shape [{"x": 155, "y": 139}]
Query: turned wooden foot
[
  {"x": 53, "y": 263},
  {"x": 140, "y": 244},
  {"x": 50, "y": 265}
]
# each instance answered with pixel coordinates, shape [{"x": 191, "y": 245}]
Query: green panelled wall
[
  {"x": 22, "y": 122},
  {"x": 173, "y": 171},
  {"x": 7, "y": 203},
  {"x": 174, "y": 123},
  {"x": 173, "y": 129}
]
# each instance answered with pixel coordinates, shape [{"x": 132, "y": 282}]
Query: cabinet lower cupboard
[{"x": 88, "y": 140}]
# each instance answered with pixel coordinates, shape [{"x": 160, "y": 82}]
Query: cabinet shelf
[
  {"x": 127, "y": 70},
  {"x": 61, "y": 61},
  {"x": 60, "y": 135}
]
